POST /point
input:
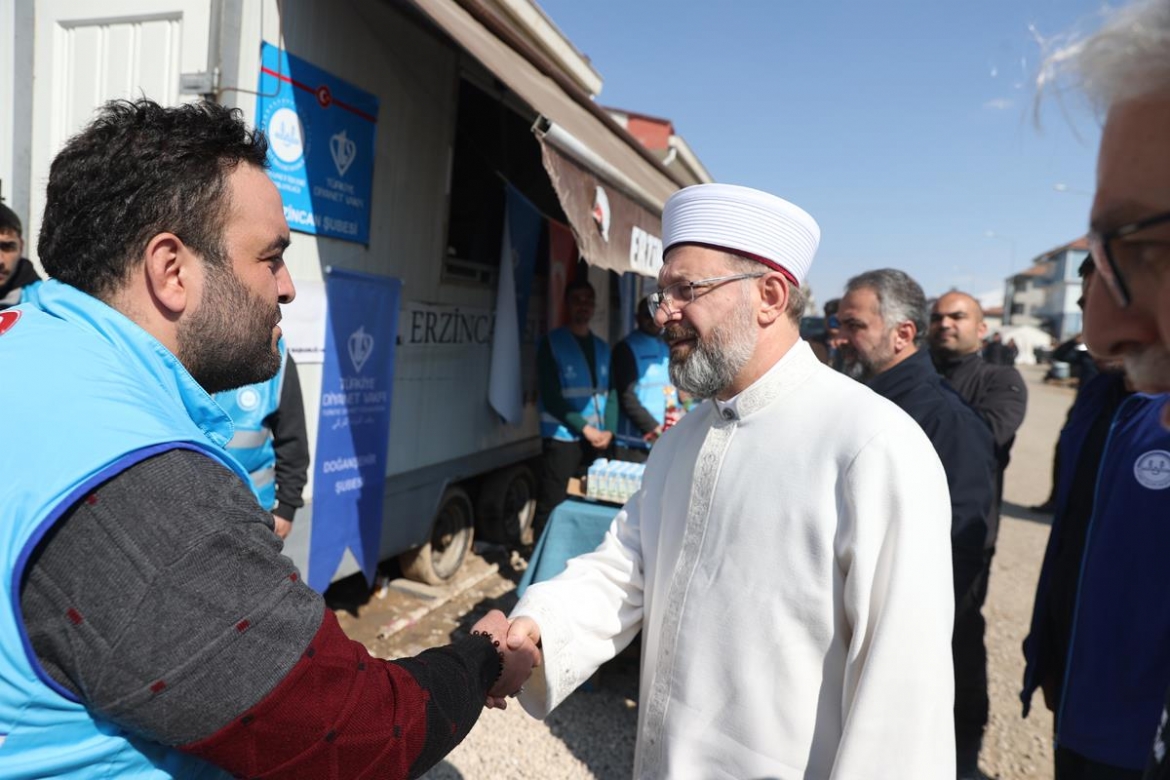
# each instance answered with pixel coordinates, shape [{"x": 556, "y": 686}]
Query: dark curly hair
[{"x": 140, "y": 169}]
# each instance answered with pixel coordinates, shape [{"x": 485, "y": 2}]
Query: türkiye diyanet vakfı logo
[{"x": 361, "y": 346}]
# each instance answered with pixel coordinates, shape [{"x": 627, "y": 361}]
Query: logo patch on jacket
[
  {"x": 1152, "y": 469},
  {"x": 7, "y": 320},
  {"x": 247, "y": 398}
]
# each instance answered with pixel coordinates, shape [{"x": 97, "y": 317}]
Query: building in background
[
  {"x": 657, "y": 135},
  {"x": 1045, "y": 294},
  {"x": 993, "y": 316}
]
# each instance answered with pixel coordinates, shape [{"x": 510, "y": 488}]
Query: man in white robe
[{"x": 788, "y": 556}]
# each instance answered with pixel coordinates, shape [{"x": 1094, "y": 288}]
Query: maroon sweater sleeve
[
  {"x": 162, "y": 602},
  {"x": 341, "y": 713}
]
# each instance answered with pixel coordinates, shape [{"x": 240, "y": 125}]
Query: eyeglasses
[
  {"x": 9, "y": 246},
  {"x": 679, "y": 294},
  {"x": 1109, "y": 254}
]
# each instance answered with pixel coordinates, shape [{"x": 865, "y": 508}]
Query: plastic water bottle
[
  {"x": 625, "y": 480},
  {"x": 593, "y": 478},
  {"x": 611, "y": 480}
]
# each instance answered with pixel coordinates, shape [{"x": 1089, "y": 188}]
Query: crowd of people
[
  {"x": 806, "y": 560},
  {"x": 1099, "y": 644}
]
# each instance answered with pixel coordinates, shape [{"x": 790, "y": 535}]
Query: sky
[{"x": 907, "y": 128}]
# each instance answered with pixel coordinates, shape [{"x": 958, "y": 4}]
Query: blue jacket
[
  {"x": 1117, "y": 664},
  {"x": 250, "y": 407},
  {"x": 652, "y": 357},
  {"x": 576, "y": 384},
  {"x": 96, "y": 394}
]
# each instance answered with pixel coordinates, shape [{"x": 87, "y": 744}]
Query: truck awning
[{"x": 611, "y": 189}]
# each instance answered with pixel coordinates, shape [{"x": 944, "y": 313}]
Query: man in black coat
[
  {"x": 997, "y": 393},
  {"x": 883, "y": 318}
]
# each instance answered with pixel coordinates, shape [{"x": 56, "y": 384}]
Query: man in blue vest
[
  {"x": 641, "y": 377},
  {"x": 270, "y": 440},
  {"x": 17, "y": 274},
  {"x": 578, "y": 411},
  {"x": 151, "y": 627}
]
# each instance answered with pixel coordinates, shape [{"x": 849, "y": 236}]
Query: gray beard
[
  {"x": 854, "y": 369},
  {"x": 714, "y": 363},
  {"x": 1149, "y": 369},
  {"x": 862, "y": 368}
]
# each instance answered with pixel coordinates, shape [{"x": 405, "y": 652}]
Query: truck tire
[
  {"x": 438, "y": 560},
  {"x": 507, "y": 505}
]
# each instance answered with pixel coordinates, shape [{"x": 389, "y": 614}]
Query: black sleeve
[
  {"x": 291, "y": 442},
  {"x": 162, "y": 602},
  {"x": 1004, "y": 402},
  {"x": 624, "y": 375},
  {"x": 965, "y": 449}
]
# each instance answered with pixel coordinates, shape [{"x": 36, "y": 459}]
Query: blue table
[{"x": 574, "y": 528}]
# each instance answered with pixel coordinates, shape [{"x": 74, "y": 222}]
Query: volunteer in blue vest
[
  {"x": 578, "y": 410},
  {"x": 641, "y": 377},
  {"x": 17, "y": 275},
  {"x": 151, "y": 626},
  {"x": 270, "y": 441}
]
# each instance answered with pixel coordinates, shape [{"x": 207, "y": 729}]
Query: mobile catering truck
[{"x": 401, "y": 131}]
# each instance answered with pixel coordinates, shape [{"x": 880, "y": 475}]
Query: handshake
[{"x": 518, "y": 643}]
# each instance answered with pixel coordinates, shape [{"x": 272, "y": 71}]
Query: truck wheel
[
  {"x": 439, "y": 559},
  {"x": 507, "y": 505}
]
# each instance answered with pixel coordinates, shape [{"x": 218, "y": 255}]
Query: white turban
[{"x": 748, "y": 222}]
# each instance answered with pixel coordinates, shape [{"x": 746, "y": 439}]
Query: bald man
[
  {"x": 998, "y": 395},
  {"x": 996, "y": 392}
]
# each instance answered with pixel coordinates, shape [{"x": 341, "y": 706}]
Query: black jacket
[
  {"x": 1000, "y": 397},
  {"x": 24, "y": 275},
  {"x": 997, "y": 393},
  {"x": 291, "y": 442},
  {"x": 964, "y": 446}
]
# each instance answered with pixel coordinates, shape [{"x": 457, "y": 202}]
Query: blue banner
[
  {"x": 353, "y": 431},
  {"x": 628, "y": 287},
  {"x": 524, "y": 226},
  {"x": 320, "y": 145}
]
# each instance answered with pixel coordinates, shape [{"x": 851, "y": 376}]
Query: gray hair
[
  {"x": 1129, "y": 57},
  {"x": 796, "y": 297},
  {"x": 900, "y": 298}
]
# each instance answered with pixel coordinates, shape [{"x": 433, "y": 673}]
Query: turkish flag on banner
[{"x": 562, "y": 262}]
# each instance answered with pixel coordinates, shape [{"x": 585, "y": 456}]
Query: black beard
[{"x": 227, "y": 343}]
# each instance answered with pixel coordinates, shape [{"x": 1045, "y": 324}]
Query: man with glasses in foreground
[
  {"x": 788, "y": 556},
  {"x": 1125, "y": 71},
  {"x": 1097, "y": 645}
]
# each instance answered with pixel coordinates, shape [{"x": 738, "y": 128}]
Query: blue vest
[
  {"x": 1117, "y": 664},
  {"x": 96, "y": 394},
  {"x": 249, "y": 407},
  {"x": 31, "y": 293},
  {"x": 577, "y": 383},
  {"x": 652, "y": 357}
]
